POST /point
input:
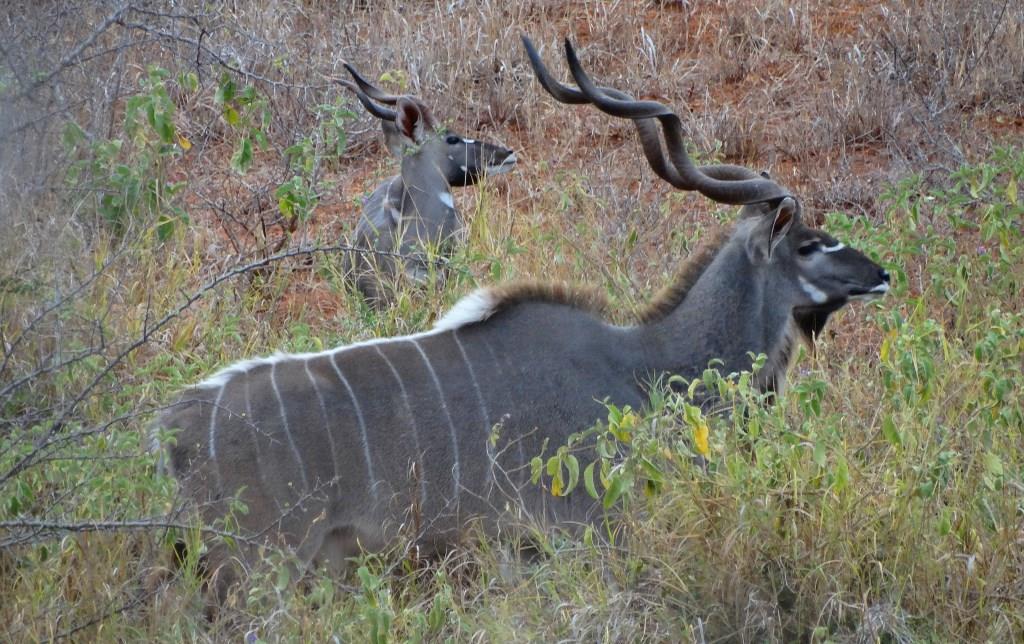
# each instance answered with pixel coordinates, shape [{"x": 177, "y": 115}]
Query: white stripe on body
[
  {"x": 213, "y": 439},
  {"x": 415, "y": 430},
  {"x": 256, "y": 437},
  {"x": 287, "y": 429},
  {"x": 327, "y": 428},
  {"x": 484, "y": 411},
  {"x": 451, "y": 425},
  {"x": 362, "y": 425}
]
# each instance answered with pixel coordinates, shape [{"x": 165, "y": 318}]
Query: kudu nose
[{"x": 884, "y": 274}]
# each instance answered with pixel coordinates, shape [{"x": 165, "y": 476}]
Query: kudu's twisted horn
[
  {"x": 723, "y": 183},
  {"x": 370, "y": 89},
  {"x": 650, "y": 139},
  {"x": 371, "y": 107},
  {"x": 367, "y": 93}
]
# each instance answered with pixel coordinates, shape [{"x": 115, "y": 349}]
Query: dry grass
[{"x": 837, "y": 100}]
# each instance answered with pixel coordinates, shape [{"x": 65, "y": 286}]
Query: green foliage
[
  {"x": 248, "y": 114},
  {"x": 331, "y": 127},
  {"x": 885, "y": 482},
  {"x": 298, "y": 196},
  {"x": 128, "y": 177}
]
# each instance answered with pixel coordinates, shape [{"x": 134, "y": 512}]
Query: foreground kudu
[
  {"x": 413, "y": 214},
  {"x": 347, "y": 448}
]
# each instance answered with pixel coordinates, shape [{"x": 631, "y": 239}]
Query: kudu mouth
[
  {"x": 858, "y": 291},
  {"x": 861, "y": 294},
  {"x": 506, "y": 165}
]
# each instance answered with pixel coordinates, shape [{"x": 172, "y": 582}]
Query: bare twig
[
  {"x": 41, "y": 528},
  {"x": 57, "y": 304},
  {"x": 72, "y": 58},
  {"x": 149, "y": 330}
]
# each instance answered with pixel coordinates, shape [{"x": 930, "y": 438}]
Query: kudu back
[
  {"x": 423, "y": 435},
  {"x": 410, "y": 220}
]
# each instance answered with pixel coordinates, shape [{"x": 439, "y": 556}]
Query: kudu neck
[
  {"x": 426, "y": 193},
  {"x": 730, "y": 311},
  {"x": 422, "y": 173}
]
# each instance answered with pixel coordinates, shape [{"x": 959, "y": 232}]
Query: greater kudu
[
  {"x": 345, "y": 449},
  {"x": 411, "y": 217}
]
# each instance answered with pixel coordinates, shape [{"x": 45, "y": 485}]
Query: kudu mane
[
  {"x": 585, "y": 298},
  {"x": 495, "y": 299},
  {"x": 672, "y": 294}
]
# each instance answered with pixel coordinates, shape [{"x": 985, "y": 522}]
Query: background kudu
[
  {"x": 411, "y": 217},
  {"x": 347, "y": 448}
]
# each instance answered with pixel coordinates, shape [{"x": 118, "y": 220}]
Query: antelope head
[
  {"x": 414, "y": 211},
  {"x": 801, "y": 273},
  {"x": 411, "y": 127}
]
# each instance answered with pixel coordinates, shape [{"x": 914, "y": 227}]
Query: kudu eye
[
  {"x": 809, "y": 248},
  {"x": 451, "y": 139}
]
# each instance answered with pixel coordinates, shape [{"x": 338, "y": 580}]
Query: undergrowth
[{"x": 189, "y": 215}]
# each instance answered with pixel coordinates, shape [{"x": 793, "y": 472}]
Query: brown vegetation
[{"x": 100, "y": 321}]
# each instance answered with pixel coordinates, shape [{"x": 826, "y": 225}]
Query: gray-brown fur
[
  {"x": 409, "y": 225},
  {"x": 426, "y": 435},
  {"x": 669, "y": 297},
  {"x": 584, "y": 298}
]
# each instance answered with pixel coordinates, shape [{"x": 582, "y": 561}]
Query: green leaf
[
  {"x": 285, "y": 205},
  {"x": 841, "y": 475},
  {"x": 189, "y": 81},
  {"x": 553, "y": 466},
  {"x": 891, "y": 433},
  {"x": 366, "y": 580},
  {"x": 820, "y": 455},
  {"x": 588, "y": 480},
  {"x": 651, "y": 471},
  {"x": 165, "y": 227},
  {"x": 573, "y": 466},
  {"x": 993, "y": 464},
  {"x": 72, "y": 136},
  {"x": 226, "y": 90},
  {"x": 164, "y": 127},
  {"x": 136, "y": 102},
  {"x": 617, "y": 486},
  {"x": 536, "y": 468},
  {"x": 241, "y": 160},
  {"x": 283, "y": 578}
]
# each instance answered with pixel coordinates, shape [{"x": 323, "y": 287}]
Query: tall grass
[{"x": 165, "y": 215}]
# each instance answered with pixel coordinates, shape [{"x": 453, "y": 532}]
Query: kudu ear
[
  {"x": 771, "y": 230},
  {"x": 411, "y": 122}
]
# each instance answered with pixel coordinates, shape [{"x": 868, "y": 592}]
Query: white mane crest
[
  {"x": 475, "y": 307},
  {"x": 220, "y": 378}
]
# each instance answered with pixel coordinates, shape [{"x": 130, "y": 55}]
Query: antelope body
[
  {"x": 345, "y": 449},
  {"x": 412, "y": 216}
]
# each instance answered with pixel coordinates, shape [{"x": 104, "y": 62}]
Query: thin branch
[
  {"x": 40, "y": 527},
  {"x": 199, "y": 46},
  {"x": 58, "y": 303},
  {"x": 57, "y": 425},
  {"x": 72, "y": 58}
]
